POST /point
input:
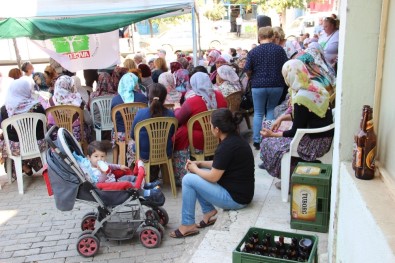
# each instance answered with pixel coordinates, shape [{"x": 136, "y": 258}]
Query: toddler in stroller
[
  {"x": 120, "y": 213},
  {"x": 97, "y": 171}
]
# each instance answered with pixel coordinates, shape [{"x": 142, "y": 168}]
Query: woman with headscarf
[
  {"x": 117, "y": 74},
  {"x": 182, "y": 80},
  {"x": 19, "y": 100},
  {"x": 310, "y": 109},
  {"x": 218, "y": 63},
  {"x": 212, "y": 57},
  {"x": 126, "y": 94},
  {"x": 65, "y": 93},
  {"x": 203, "y": 98},
  {"x": 167, "y": 80},
  {"x": 319, "y": 69},
  {"x": 227, "y": 80}
]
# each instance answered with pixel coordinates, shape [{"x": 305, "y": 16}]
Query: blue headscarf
[{"x": 126, "y": 87}]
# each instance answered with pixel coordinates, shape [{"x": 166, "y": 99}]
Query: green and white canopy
[{"x": 43, "y": 19}]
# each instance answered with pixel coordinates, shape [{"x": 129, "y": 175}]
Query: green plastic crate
[
  {"x": 242, "y": 257},
  {"x": 310, "y": 197}
]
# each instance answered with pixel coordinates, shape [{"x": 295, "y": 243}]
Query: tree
[{"x": 279, "y": 5}]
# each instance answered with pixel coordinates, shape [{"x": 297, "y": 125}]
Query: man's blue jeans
[
  {"x": 265, "y": 100},
  {"x": 208, "y": 194}
]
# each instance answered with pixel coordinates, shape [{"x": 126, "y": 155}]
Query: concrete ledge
[{"x": 366, "y": 221}]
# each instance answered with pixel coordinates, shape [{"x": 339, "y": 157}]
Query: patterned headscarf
[
  {"x": 174, "y": 66},
  {"x": 305, "y": 91},
  {"x": 213, "y": 55},
  {"x": 202, "y": 86},
  {"x": 126, "y": 87},
  {"x": 65, "y": 93},
  {"x": 19, "y": 97},
  {"x": 167, "y": 80},
  {"x": 117, "y": 75},
  {"x": 227, "y": 73},
  {"x": 104, "y": 86},
  {"x": 182, "y": 80}
]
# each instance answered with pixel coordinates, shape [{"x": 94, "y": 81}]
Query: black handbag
[{"x": 246, "y": 100}]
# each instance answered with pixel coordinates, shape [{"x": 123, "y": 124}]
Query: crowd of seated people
[{"x": 271, "y": 70}]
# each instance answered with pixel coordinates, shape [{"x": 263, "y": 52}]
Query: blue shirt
[
  {"x": 144, "y": 114},
  {"x": 138, "y": 97},
  {"x": 265, "y": 63}
]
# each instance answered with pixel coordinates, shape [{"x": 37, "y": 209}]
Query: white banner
[{"x": 75, "y": 53}]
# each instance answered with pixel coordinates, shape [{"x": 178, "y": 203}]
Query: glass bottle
[{"x": 366, "y": 147}]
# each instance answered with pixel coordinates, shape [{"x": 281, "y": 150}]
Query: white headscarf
[
  {"x": 19, "y": 97},
  {"x": 202, "y": 86}
]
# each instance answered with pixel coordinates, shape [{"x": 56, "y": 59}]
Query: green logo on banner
[{"x": 73, "y": 46}]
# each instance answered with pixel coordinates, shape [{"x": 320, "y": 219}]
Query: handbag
[{"x": 246, "y": 100}]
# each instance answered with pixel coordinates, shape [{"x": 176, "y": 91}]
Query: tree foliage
[
  {"x": 279, "y": 5},
  {"x": 216, "y": 13}
]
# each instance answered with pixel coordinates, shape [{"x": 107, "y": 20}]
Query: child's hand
[{"x": 124, "y": 167}]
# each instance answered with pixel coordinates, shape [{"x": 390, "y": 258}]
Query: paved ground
[{"x": 33, "y": 230}]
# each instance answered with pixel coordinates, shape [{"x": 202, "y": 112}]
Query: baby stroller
[{"x": 120, "y": 212}]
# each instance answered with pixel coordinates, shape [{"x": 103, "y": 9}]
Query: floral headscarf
[
  {"x": 305, "y": 91},
  {"x": 182, "y": 80},
  {"x": 213, "y": 55},
  {"x": 65, "y": 93},
  {"x": 19, "y": 97},
  {"x": 126, "y": 87},
  {"x": 174, "y": 66},
  {"x": 167, "y": 80},
  {"x": 227, "y": 73},
  {"x": 117, "y": 75},
  {"x": 104, "y": 86},
  {"x": 202, "y": 86}
]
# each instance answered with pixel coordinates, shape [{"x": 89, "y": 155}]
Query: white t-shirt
[
  {"x": 239, "y": 21},
  {"x": 330, "y": 45}
]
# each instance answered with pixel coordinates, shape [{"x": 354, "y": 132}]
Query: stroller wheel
[
  {"x": 152, "y": 215},
  {"x": 163, "y": 216},
  {"x": 88, "y": 221},
  {"x": 150, "y": 237},
  {"x": 88, "y": 245}
]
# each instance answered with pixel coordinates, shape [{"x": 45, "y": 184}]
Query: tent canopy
[{"x": 43, "y": 19}]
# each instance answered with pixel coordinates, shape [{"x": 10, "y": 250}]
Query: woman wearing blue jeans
[
  {"x": 226, "y": 182},
  {"x": 263, "y": 66}
]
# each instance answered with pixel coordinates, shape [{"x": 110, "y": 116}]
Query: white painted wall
[
  {"x": 386, "y": 132},
  {"x": 359, "y": 32},
  {"x": 361, "y": 237}
]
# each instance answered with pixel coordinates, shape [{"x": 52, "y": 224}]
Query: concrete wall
[
  {"x": 386, "y": 132},
  {"x": 359, "y": 34},
  {"x": 364, "y": 221}
]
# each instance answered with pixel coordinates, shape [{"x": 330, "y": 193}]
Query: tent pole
[
  {"x": 18, "y": 56},
  {"x": 194, "y": 36}
]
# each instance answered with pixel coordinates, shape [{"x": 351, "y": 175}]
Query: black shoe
[
  {"x": 261, "y": 166},
  {"x": 257, "y": 146}
]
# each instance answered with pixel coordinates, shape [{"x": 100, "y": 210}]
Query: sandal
[
  {"x": 203, "y": 224},
  {"x": 177, "y": 233}
]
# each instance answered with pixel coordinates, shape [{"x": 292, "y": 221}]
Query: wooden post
[{"x": 18, "y": 56}]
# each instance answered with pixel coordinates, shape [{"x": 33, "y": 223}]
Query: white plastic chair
[
  {"x": 25, "y": 126},
  {"x": 103, "y": 103},
  {"x": 293, "y": 152}
]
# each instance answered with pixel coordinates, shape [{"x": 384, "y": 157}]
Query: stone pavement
[
  {"x": 265, "y": 211},
  {"x": 33, "y": 230}
]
